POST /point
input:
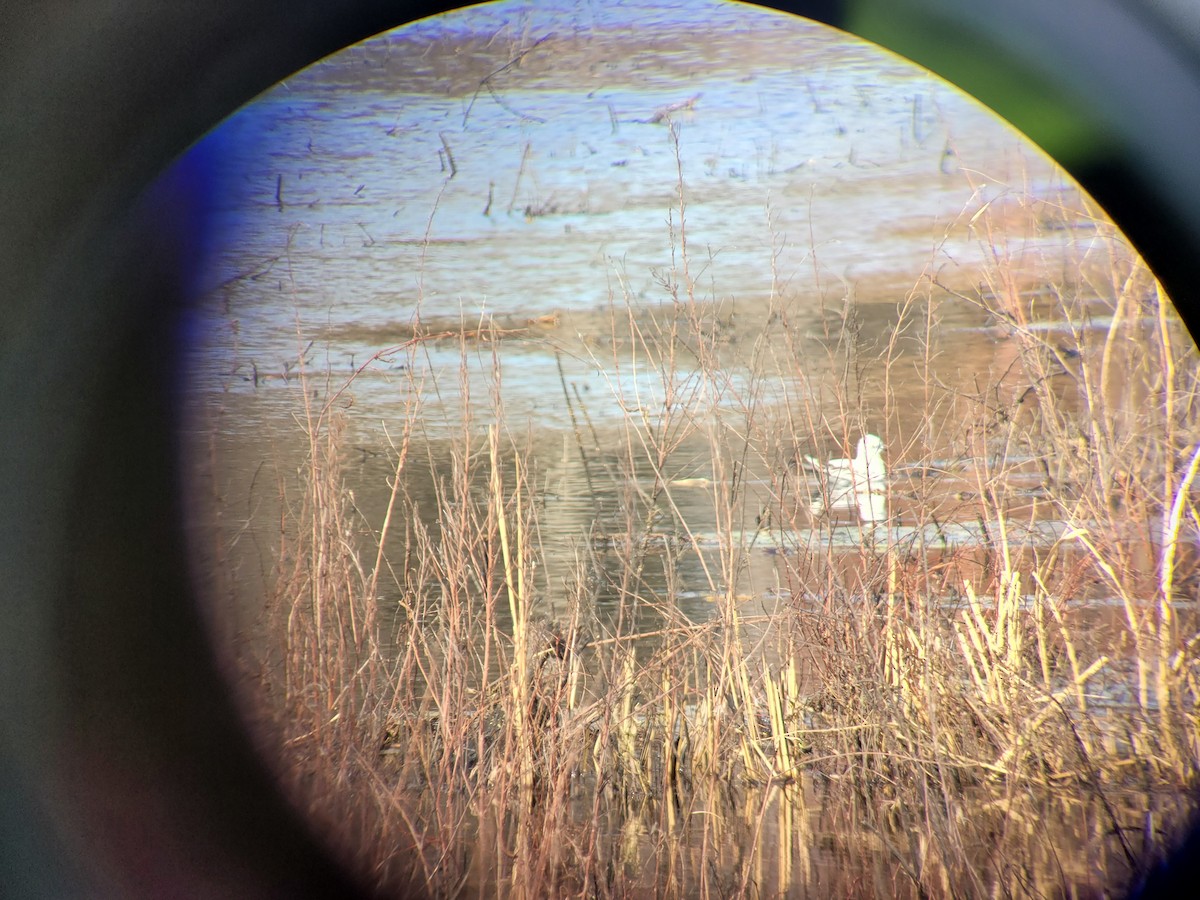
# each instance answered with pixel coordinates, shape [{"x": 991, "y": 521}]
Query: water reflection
[{"x": 338, "y": 209}]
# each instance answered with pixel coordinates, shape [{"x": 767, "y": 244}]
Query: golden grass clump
[{"x": 994, "y": 692}]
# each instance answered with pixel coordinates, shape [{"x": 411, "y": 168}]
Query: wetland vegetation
[
  {"x": 952, "y": 702},
  {"x": 594, "y": 642}
]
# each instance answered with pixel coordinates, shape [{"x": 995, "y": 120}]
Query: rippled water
[{"x": 810, "y": 166}]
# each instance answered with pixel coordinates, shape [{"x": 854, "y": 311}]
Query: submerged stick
[
  {"x": 449, "y": 155},
  {"x": 520, "y": 174}
]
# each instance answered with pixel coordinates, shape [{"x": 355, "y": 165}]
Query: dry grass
[{"x": 899, "y": 719}]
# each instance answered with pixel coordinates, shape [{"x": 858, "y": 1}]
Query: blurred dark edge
[{"x": 123, "y": 771}]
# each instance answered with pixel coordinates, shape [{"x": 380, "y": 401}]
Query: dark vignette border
[{"x": 123, "y": 771}]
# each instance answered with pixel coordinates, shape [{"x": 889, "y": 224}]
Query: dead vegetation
[{"x": 894, "y": 718}]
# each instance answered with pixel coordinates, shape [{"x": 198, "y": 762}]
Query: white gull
[{"x": 858, "y": 483}]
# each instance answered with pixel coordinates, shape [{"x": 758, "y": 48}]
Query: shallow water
[{"x": 813, "y": 169}]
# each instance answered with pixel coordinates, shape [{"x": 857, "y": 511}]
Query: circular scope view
[{"x": 685, "y": 450}]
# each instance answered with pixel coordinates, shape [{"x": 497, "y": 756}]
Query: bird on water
[{"x": 850, "y": 484}]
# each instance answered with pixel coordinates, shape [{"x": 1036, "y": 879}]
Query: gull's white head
[{"x": 869, "y": 445}]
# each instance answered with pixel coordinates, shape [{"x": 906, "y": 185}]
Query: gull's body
[{"x": 858, "y": 483}]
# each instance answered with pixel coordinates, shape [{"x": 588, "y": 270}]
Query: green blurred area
[{"x": 986, "y": 71}]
